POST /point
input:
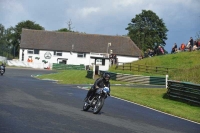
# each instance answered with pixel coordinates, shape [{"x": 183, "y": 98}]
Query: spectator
[
  {"x": 161, "y": 51},
  {"x": 182, "y": 48},
  {"x": 174, "y": 48},
  {"x": 145, "y": 54},
  {"x": 198, "y": 43},
  {"x": 188, "y": 46},
  {"x": 156, "y": 50},
  {"x": 191, "y": 42},
  {"x": 194, "y": 47},
  {"x": 150, "y": 52},
  {"x": 115, "y": 58},
  {"x": 195, "y": 43}
]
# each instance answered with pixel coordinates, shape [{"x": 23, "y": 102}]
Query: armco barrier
[
  {"x": 147, "y": 80},
  {"x": 68, "y": 67},
  {"x": 185, "y": 91}
]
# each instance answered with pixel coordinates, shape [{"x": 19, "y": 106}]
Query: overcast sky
[{"x": 108, "y": 17}]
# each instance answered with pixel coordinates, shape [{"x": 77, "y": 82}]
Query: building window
[
  {"x": 81, "y": 55},
  {"x": 57, "y": 53},
  {"x": 30, "y": 51},
  {"x": 33, "y": 51},
  {"x": 36, "y": 51}
]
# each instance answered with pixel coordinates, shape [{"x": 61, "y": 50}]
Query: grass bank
[{"x": 186, "y": 64}]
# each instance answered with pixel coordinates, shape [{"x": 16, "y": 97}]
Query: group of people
[
  {"x": 157, "y": 51},
  {"x": 190, "y": 46},
  {"x": 113, "y": 59}
]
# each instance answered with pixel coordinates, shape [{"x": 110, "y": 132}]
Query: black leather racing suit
[{"x": 99, "y": 83}]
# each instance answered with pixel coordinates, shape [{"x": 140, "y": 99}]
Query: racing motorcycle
[
  {"x": 97, "y": 101},
  {"x": 2, "y": 69}
]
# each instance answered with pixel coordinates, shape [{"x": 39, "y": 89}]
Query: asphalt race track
[{"x": 29, "y": 105}]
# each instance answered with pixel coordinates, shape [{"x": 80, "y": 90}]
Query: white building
[{"x": 39, "y": 46}]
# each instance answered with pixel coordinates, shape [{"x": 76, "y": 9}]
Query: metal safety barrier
[
  {"x": 68, "y": 67},
  {"x": 137, "y": 79},
  {"x": 184, "y": 91}
]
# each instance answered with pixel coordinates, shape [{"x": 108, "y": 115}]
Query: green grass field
[{"x": 188, "y": 64}]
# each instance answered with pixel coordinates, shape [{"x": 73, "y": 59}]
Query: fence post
[
  {"x": 93, "y": 71},
  {"x": 166, "y": 81}
]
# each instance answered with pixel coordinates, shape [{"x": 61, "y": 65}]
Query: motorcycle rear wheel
[{"x": 98, "y": 106}]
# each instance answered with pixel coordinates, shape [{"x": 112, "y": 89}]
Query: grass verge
[{"x": 157, "y": 99}]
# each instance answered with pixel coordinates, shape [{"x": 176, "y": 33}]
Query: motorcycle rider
[
  {"x": 3, "y": 67},
  {"x": 99, "y": 83}
]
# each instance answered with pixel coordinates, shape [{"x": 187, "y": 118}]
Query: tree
[
  {"x": 18, "y": 30},
  {"x": 5, "y": 40},
  {"x": 198, "y": 36},
  {"x": 64, "y": 30},
  {"x": 147, "y": 30},
  {"x": 69, "y": 29}
]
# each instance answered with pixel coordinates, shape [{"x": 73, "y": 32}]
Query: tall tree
[
  {"x": 2, "y": 34},
  {"x": 18, "y": 30},
  {"x": 147, "y": 30},
  {"x": 5, "y": 40},
  {"x": 69, "y": 29}
]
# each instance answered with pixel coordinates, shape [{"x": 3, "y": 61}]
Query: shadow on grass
[{"x": 165, "y": 96}]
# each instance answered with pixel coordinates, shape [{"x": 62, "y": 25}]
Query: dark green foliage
[
  {"x": 64, "y": 30},
  {"x": 5, "y": 41},
  {"x": 18, "y": 30},
  {"x": 147, "y": 30}
]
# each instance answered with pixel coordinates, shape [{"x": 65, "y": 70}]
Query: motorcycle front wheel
[
  {"x": 86, "y": 106},
  {"x": 98, "y": 106}
]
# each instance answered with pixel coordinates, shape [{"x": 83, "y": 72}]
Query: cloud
[
  {"x": 12, "y": 6},
  {"x": 109, "y": 17},
  {"x": 85, "y": 12},
  {"x": 11, "y": 12}
]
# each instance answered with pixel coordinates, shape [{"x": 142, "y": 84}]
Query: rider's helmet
[{"x": 106, "y": 77}]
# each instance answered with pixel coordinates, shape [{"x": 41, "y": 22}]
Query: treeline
[{"x": 10, "y": 37}]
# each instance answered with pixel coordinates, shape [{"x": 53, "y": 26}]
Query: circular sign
[{"x": 47, "y": 55}]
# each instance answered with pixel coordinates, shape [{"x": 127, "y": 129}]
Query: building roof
[{"x": 63, "y": 41}]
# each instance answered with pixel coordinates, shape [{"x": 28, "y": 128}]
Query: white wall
[
  {"x": 3, "y": 59},
  {"x": 71, "y": 57},
  {"x": 126, "y": 59},
  {"x": 105, "y": 67}
]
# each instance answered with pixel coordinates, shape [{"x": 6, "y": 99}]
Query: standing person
[
  {"x": 161, "y": 50},
  {"x": 191, "y": 42}
]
